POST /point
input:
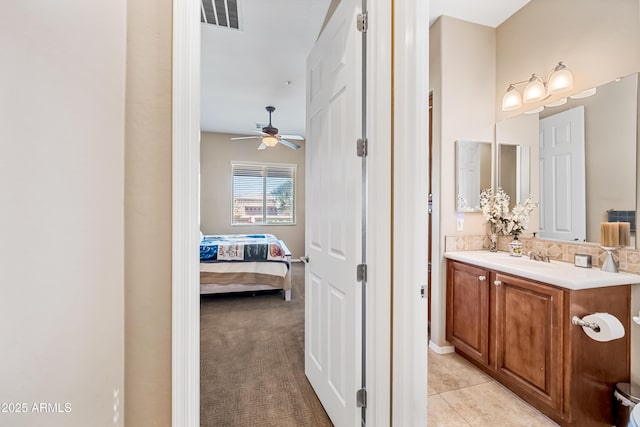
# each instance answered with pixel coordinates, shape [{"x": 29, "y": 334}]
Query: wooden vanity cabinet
[
  {"x": 528, "y": 338},
  {"x": 468, "y": 310},
  {"x": 519, "y": 331}
]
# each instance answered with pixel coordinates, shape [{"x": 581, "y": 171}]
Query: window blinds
[{"x": 263, "y": 193}]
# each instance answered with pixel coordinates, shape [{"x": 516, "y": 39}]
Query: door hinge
[
  {"x": 362, "y": 23},
  {"x": 361, "y": 398},
  {"x": 361, "y": 272},
  {"x": 423, "y": 292},
  {"x": 362, "y": 147}
]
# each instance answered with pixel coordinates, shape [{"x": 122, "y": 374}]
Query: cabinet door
[
  {"x": 528, "y": 339},
  {"x": 468, "y": 310}
]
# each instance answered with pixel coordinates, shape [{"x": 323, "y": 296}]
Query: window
[{"x": 263, "y": 193}]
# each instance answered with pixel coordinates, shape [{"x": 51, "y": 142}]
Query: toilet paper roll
[{"x": 610, "y": 327}]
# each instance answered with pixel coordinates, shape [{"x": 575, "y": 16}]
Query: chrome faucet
[{"x": 539, "y": 257}]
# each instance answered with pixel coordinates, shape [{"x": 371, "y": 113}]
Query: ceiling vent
[{"x": 223, "y": 13}]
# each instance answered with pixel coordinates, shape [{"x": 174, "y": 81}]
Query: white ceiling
[
  {"x": 244, "y": 71},
  {"x": 486, "y": 12}
]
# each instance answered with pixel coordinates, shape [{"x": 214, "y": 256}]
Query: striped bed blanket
[{"x": 241, "y": 247}]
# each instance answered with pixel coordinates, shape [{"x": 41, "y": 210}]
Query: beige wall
[
  {"x": 507, "y": 169},
  {"x": 216, "y": 154},
  {"x": 148, "y": 214},
  {"x": 462, "y": 72},
  {"x": 464, "y": 103},
  {"x": 62, "y": 82}
]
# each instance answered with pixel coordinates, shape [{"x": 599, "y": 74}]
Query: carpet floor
[{"x": 252, "y": 360}]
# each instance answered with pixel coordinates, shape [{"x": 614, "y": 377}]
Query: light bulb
[
  {"x": 534, "y": 90},
  {"x": 511, "y": 99},
  {"x": 560, "y": 79},
  {"x": 269, "y": 140}
]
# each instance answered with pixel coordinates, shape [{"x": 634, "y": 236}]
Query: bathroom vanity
[{"x": 511, "y": 317}]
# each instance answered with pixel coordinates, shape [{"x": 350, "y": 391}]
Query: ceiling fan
[{"x": 270, "y": 136}]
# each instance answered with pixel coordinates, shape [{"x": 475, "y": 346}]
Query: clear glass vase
[{"x": 493, "y": 242}]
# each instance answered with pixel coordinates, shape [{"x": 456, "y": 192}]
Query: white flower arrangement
[{"x": 495, "y": 209}]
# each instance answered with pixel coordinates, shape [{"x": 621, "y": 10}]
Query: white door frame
[
  {"x": 185, "y": 336},
  {"x": 409, "y": 332},
  {"x": 410, "y": 190}
]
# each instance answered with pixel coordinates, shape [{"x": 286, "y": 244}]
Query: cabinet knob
[
  {"x": 497, "y": 282},
  {"x": 482, "y": 278}
]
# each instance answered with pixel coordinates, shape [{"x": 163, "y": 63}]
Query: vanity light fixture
[
  {"x": 535, "y": 110},
  {"x": 536, "y": 89},
  {"x": 512, "y": 100},
  {"x": 560, "y": 79},
  {"x": 557, "y": 103},
  {"x": 584, "y": 94}
]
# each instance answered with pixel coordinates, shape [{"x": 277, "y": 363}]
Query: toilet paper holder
[{"x": 578, "y": 321}]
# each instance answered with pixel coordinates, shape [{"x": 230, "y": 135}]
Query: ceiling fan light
[
  {"x": 511, "y": 99},
  {"x": 269, "y": 140},
  {"x": 534, "y": 90},
  {"x": 560, "y": 79}
]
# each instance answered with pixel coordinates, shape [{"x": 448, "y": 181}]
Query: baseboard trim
[{"x": 441, "y": 349}]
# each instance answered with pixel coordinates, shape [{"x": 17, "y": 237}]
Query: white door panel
[
  {"x": 562, "y": 176},
  {"x": 332, "y": 358}
]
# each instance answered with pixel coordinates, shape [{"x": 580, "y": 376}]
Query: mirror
[
  {"x": 514, "y": 164},
  {"x": 473, "y": 173},
  {"x": 610, "y": 174}
]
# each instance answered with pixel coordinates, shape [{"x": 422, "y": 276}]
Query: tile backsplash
[{"x": 627, "y": 258}]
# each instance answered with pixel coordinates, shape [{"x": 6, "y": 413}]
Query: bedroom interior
[{"x": 252, "y": 346}]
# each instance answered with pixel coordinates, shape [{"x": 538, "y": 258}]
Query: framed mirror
[
  {"x": 473, "y": 173},
  {"x": 609, "y": 172}
]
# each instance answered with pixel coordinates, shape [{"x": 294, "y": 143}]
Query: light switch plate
[{"x": 582, "y": 260}]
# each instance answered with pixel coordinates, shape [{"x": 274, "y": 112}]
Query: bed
[{"x": 244, "y": 262}]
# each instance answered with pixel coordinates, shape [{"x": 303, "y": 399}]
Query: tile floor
[{"x": 460, "y": 395}]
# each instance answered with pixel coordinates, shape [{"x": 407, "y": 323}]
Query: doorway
[
  {"x": 409, "y": 132},
  {"x": 246, "y": 71}
]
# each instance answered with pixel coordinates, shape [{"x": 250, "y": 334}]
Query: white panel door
[
  {"x": 562, "y": 176},
  {"x": 333, "y": 185}
]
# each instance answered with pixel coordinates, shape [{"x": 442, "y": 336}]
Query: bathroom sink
[
  {"x": 523, "y": 261},
  {"x": 557, "y": 273}
]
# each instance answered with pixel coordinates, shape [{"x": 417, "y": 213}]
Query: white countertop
[{"x": 557, "y": 273}]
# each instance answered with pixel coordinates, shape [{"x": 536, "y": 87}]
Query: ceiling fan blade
[
  {"x": 245, "y": 137},
  {"x": 294, "y": 137},
  {"x": 289, "y": 144},
  {"x": 262, "y": 146}
]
